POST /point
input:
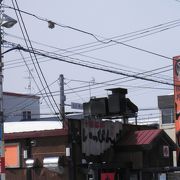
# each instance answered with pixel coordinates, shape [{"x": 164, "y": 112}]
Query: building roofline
[
  {"x": 36, "y": 134},
  {"x": 21, "y": 95}
]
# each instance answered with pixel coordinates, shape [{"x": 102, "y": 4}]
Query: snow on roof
[{"x": 12, "y": 127}]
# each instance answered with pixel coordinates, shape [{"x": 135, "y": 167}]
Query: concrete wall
[{"x": 170, "y": 130}]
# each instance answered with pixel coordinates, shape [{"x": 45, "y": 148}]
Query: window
[
  {"x": 167, "y": 116},
  {"x": 26, "y": 115}
]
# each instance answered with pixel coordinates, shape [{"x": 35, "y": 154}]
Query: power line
[
  {"x": 98, "y": 68},
  {"x": 98, "y": 59},
  {"x": 131, "y": 86},
  {"x": 33, "y": 53},
  {"x": 90, "y": 66},
  {"x": 100, "y": 64},
  {"x": 100, "y": 44},
  {"x": 28, "y": 101},
  {"x": 106, "y": 82},
  {"x": 104, "y": 41},
  {"x": 30, "y": 54},
  {"x": 126, "y": 81},
  {"x": 109, "y": 67},
  {"x": 76, "y": 93},
  {"x": 89, "y": 34},
  {"x": 112, "y": 84},
  {"x": 56, "y": 93}
]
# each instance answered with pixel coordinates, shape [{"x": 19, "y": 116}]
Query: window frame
[{"x": 167, "y": 116}]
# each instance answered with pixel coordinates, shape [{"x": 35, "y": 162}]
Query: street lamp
[{"x": 7, "y": 22}]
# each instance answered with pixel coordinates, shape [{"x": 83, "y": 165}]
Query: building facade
[
  {"x": 166, "y": 122},
  {"x": 86, "y": 149},
  {"x": 20, "y": 107},
  {"x": 36, "y": 155},
  {"x": 166, "y": 107}
]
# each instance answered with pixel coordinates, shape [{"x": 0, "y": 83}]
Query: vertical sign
[
  {"x": 2, "y": 165},
  {"x": 98, "y": 135},
  {"x": 166, "y": 151},
  {"x": 1, "y": 140},
  {"x": 176, "y": 74},
  {"x": 176, "y": 71}
]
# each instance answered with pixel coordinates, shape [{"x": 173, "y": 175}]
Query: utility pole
[
  {"x": 8, "y": 22},
  {"x": 2, "y": 152},
  {"x": 62, "y": 97},
  {"x": 70, "y": 124}
]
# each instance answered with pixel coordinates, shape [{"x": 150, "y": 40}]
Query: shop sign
[
  {"x": 12, "y": 154},
  {"x": 166, "y": 151},
  {"x": 108, "y": 176},
  {"x": 176, "y": 72},
  {"x": 162, "y": 176},
  {"x": 1, "y": 130},
  {"x": 176, "y": 77},
  {"x": 76, "y": 105},
  {"x": 2, "y": 165},
  {"x": 98, "y": 135}
]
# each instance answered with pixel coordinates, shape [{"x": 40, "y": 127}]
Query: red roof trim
[
  {"x": 143, "y": 137},
  {"x": 34, "y": 134}
]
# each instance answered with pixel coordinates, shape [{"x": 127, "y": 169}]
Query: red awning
[
  {"x": 141, "y": 137},
  {"x": 144, "y": 139}
]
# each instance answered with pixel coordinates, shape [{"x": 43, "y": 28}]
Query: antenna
[
  {"x": 92, "y": 82},
  {"x": 29, "y": 85}
]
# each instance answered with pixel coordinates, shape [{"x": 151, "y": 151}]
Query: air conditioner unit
[{"x": 54, "y": 164}]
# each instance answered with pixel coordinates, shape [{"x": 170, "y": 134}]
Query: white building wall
[
  {"x": 15, "y": 104},
  {"x": 170, "y": 130}
]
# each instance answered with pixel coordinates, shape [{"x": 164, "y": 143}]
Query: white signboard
[
  {"x": 162, "y": 176},
  {"x": 166, "y": 151},
  {"x": 76, "y": 106},
  {"x": 98, "y": 135}
]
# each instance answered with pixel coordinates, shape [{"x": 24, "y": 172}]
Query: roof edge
[{"x": 36, "y": 134}]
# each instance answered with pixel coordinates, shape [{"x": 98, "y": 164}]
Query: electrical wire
[
  {"x": 88, "y": 51},
  {"x": 103, "y": 41},
  {"x": 27, "y": 102},
  {"x": 81, "y": 31},
  {"x": 106, "y": 82},
  {"x": 150, "y": 71},
  {"x": 95, "y": 36},
  {"x": 103, "y": 65},
  {"x": 34, "y": 55},
  {"x": 123, "y": 78},
  {"x": 76, "y": 93},
  {"x": 114, "y": 68},
  {"x": 88, "y": 56},
  {"x": 109, "y": 62},
  {"x": 93, "y": 67},
  {"x": 30, "y": 54},
  {"x": 116, "y": 84}
]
